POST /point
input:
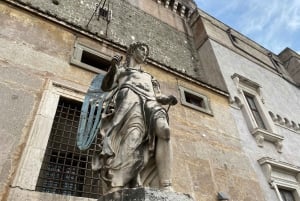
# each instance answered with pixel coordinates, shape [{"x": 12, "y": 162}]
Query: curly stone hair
[{"x": 131, "y": 50}]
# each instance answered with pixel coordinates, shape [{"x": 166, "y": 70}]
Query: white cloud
[
  {"x": 274, "y": 24},
  {"x": 294, "y": 18}
]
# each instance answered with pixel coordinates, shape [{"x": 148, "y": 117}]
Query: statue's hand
[
  {"x": 116, "y": 60},
  {"x": 165, "y": 100},
  {"x": 172, "y": 100}
]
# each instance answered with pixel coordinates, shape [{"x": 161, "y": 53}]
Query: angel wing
[{"x": 90, "y": 116}]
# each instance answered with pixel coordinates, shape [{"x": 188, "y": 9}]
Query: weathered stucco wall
[{"x": 280, "y": 97}]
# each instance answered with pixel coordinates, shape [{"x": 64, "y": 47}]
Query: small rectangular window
[
  {"x": 286, "y": 195},
  {"x": 90, "y": 59},
  {"x": 65, "y": 169},
  {"x": 195, "y": 100},
  {"x": 94, "y": 60},
  {"x": 103, "y": 12}
]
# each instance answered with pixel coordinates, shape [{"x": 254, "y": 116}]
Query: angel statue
[{"x": 136, "y": 148}]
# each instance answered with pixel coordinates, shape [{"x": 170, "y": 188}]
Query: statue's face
[{"x": 140, "y": 54}]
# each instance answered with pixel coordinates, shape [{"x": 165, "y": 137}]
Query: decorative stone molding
[
  {"x": 262, "y": 129},
  {"x": 261, "y": 135},
  {"x": 281, "y": 175},
  {"x": 177, "y": 7},
  {"x": 236, "y": 102},
  {"x": 182, "y": 11},
  {"x": 240, "y": 80},
  {"x": 167, "y": 3},
  {"x": 285, "y": 122},
  {"x": 280, "y": 172},
  {"x": 274, "y": 118}
]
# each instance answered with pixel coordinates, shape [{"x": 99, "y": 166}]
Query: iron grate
[{"x": 67, "y": 170}]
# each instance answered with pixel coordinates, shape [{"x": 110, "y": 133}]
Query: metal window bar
[{"x": 65, "y": 169}]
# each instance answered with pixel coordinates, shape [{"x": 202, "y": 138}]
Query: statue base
[{"x": 145, "y": 194}]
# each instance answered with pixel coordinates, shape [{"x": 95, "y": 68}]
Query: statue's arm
[
  {"x": 162, "y": 98},
  {"x": 109, "y": 78}
]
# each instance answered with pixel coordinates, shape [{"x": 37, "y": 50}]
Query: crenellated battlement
[{"x": 184, "y": 8}]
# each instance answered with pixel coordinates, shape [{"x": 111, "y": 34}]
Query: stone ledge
[{"x": 145, "y": 194}]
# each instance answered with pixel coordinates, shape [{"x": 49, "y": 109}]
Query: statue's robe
[{"x": 128, "y": 149}]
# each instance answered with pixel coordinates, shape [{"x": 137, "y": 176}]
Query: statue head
[{"x": 138, "y": 51}]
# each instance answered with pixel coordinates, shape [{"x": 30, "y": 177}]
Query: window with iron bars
[{"x": 66, "y": 170}]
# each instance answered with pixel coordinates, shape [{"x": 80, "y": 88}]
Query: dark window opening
[
  {"x": 194, "y": 100},
  {"x": 286, "y": 195},
  {"x": 95, "y": 61},
  {"x": 65, "y": 169},
  {"x": 102, "y": 12},
  {"x": 253, "y": 107}
]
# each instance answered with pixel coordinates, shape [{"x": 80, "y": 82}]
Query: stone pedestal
[{"x": 145, "y": 194}]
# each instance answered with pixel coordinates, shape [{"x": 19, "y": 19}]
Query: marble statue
[{"x": 136, "y": 149}]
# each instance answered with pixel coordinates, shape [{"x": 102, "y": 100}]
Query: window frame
[
  {"x": 65, "y": 169},
  {"x": 77, "y": 55},
  {"x": 248, "y": 87},
  {"x": 291, "y": 191},
  {"x": 255, "y": 109},
  {"x": 206, "y": 102},
  {"x": 281, "y": 175},
  {"x": 32, "y": 157}
]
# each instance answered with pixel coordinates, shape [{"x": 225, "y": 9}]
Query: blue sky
[{"x": 274, "y": 24}]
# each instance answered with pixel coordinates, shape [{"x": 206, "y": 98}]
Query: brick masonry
[{"x": 169, "y": 46}]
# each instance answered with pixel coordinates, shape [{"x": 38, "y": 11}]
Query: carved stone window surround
[
  {"x": 281, "y": 175},
  {"x": 269, "y": 134},
  {"x": 206, "y": 108},
  {"x": 31, "y": 161},
  {"x": 77, "y": 55}
]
